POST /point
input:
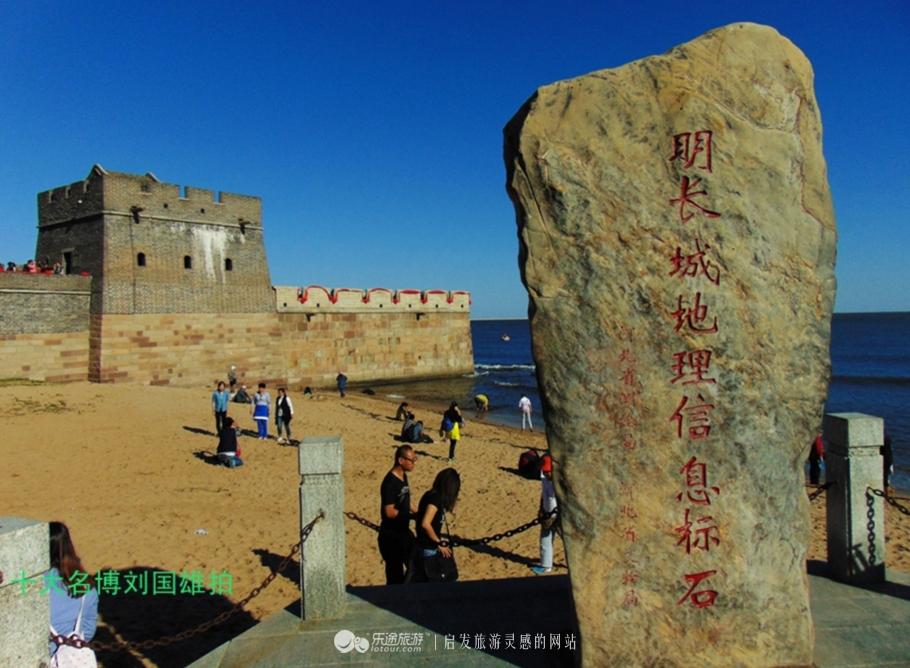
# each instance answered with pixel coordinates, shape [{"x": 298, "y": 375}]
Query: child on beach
[{"x": 261, "y": 403}]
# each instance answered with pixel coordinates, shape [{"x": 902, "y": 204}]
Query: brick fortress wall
[
  {"x": 181, "y": 291},
  {"x": 44, "y": 326}
]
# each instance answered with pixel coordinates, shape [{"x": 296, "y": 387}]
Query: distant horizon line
[{"x": 835, "y": 313}]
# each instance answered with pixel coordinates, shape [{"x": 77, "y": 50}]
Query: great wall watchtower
[
  {"x": 155, "y": 247},
  {"x": 176, "y": 288}
]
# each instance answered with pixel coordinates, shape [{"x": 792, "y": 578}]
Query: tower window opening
[
  {"x": 187, "y": 262},
  {"x": 140, "y": 260},
  {"x": 228, "y": 264}
]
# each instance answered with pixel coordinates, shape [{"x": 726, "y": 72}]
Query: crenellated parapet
[
  {"x": 319, "y": 299},
  {"x": 144, "y": 197}
]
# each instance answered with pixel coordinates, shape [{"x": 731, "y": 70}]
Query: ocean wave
[
  {"x": 871, "y": 380},
  {"x": 505, "y": 383},
  {"x": 476, "y": 374},
  {"x": 505, "y": 367}
]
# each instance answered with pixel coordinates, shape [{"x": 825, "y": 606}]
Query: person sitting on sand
[
  {"x": 402, "y": 412},
  {"x": 73, "y": 599},
  {"x": 396, "y": 541},
  {"x": 431, "y": 515},
  {"x": 242, "y": 396},
  {"x": 228, "y": 452}
]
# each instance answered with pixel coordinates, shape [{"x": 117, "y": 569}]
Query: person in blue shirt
[
  {"x": 71, "y": 590},
  {"x": 220, "y": 398}
]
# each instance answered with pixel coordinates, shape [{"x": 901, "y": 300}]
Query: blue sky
[{"x": 373, "y": 130}]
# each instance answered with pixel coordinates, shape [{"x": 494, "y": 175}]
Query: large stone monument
[{"x": 677, "y": 243}]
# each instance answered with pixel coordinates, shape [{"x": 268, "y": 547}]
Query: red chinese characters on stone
[
  {"x": 693, "y": 316},
  {"x": 700, "y": 599},
  {"x": 692, "y": 265},
  {"x": 688, "y": 207},
  {"x": 630, "y": 577},
  {"x": 690, "y": 366},
  {"x": 631, "y": 599},
  {"x": 692, "y": 147},
  {"x": 697, "y": 489},
  {"x": 703, "y": 535},
  {"x": 697, "y": 416}
]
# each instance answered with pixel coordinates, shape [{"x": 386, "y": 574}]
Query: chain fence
[
  {"x": 819, "y": 490},
  {"x": 892, "y": 500},
  {"x": 454, "y": 540},
  {"x": 121, "y": 645}
]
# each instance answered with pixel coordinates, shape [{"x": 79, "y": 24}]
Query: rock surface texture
[{"x": 678, "y": 244}]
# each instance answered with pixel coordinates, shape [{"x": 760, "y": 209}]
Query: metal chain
[
  {"x": 820, "y": 490},
  {"x": 361, "y": 520},
  {"x": 75, "y": 641},
  {"x": 892, "y": 500},
  {"x": 870, "y": 525},
  {"x": 455, "y": 540}
]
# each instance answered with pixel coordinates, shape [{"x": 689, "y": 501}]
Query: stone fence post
[
  {"x": 24, "y": 609},
  {"x": 856, "y": 518},
  {"x": 322, "y": 559}
]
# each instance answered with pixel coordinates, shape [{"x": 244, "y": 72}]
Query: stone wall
[
  {"x": 375, "y": 346},
  {"x": 186, "y": 348},
  {"x": 44, "y": 322}
]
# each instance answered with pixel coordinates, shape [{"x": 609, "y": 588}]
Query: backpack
[
  {"x": 447, "y": 424},
  {"x": 73, "y": 657},
  {"x": 529, "y": 464}
]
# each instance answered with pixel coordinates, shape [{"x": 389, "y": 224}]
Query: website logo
[{"x": 346, "y": 641}]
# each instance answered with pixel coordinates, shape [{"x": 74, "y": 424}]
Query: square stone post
[
  {"x": 322, "y": 559},
  {"x": 856, "y": 517},
  {"x": 24, "y": 609}
]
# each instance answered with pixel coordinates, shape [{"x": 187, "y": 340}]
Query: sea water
[{"x": 870, "y": 359}]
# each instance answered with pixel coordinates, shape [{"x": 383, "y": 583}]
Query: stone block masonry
[
  {"x": 179, "y": 291},
  {"x": 44, "y": 326}
]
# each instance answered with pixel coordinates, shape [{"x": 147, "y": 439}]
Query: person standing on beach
[
  {"x": 395, "y": 538},
  {"x": 220, "y": 398},
  {"x": 73, "y": 599},
  {"x": 481, "y": 403},
  {"x": 452, "y": 424},
  {"x": 547, "y": 519},
  {"x": 431, "y": 515},
  {"x": 261, "y": 403},
  {"x": 284, "y": 413},
  {"x": 525, "y": 405},
  {"x": 342, "y": 381},
  {"x": 887, "y": 462},
  {"x": 816, "y": 454}
]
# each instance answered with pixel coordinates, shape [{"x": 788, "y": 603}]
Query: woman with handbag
[
  {"x": 73, "y": 600},
  {"x": 435, "y": 560}
]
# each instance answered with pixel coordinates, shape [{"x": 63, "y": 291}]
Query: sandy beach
[{"x": 120, "y": 465}]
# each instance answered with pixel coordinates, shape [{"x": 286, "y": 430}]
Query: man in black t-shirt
[{"x": 395, "y": 538}]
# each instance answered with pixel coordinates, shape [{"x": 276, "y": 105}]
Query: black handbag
[{"x": 439, "y": 568}]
